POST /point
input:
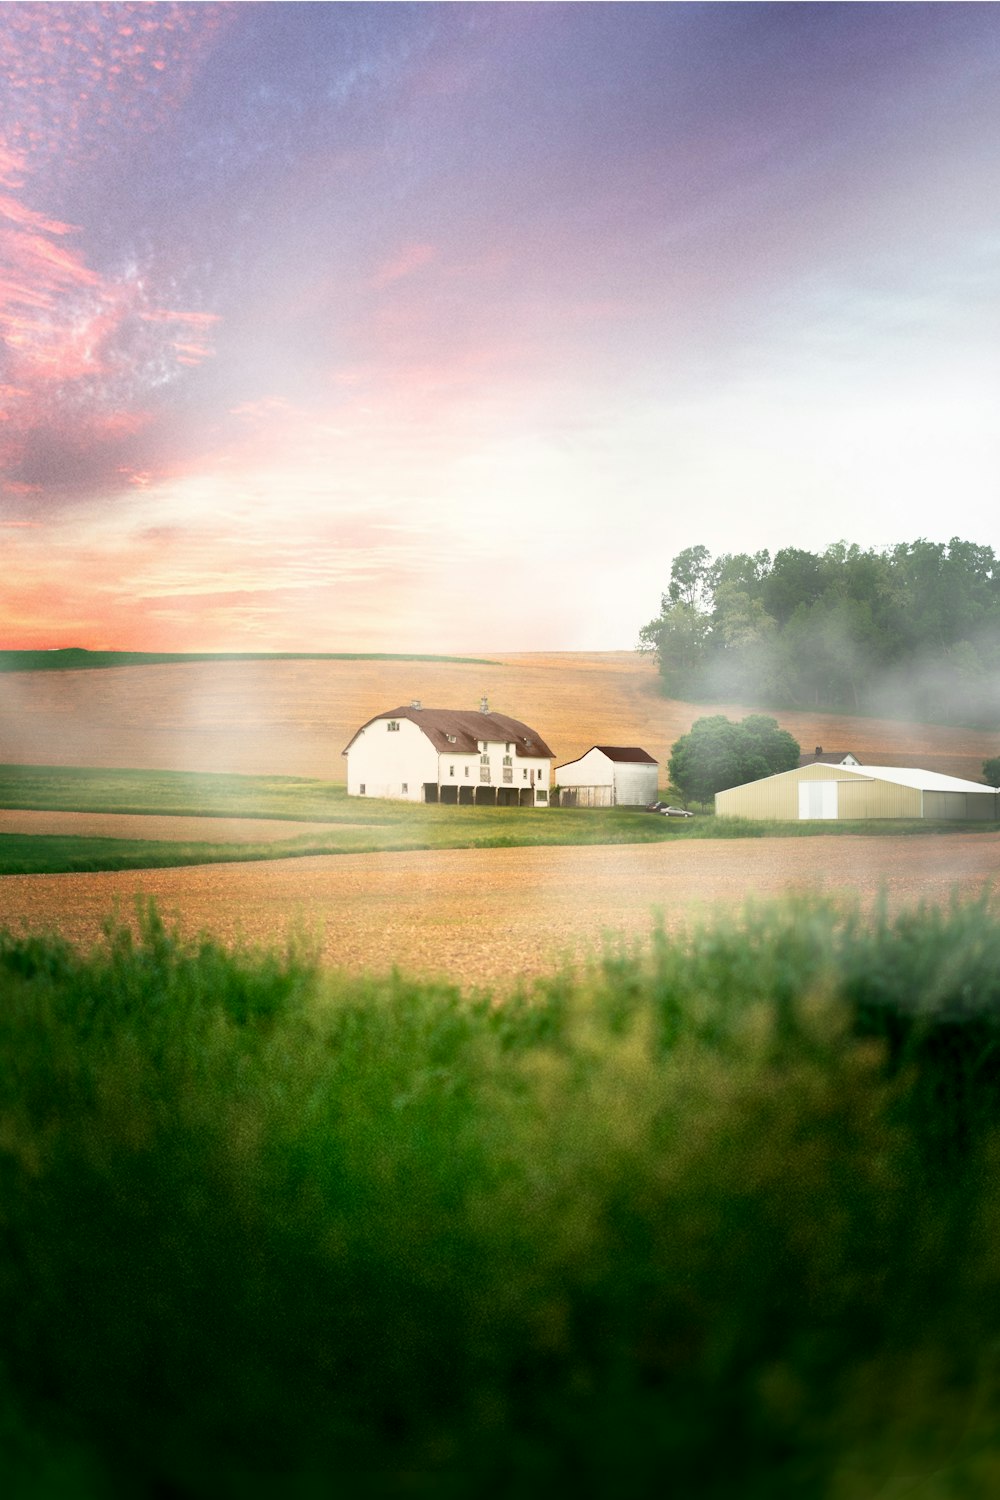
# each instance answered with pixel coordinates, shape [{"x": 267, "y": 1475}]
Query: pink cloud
[
  {"x": 71, "y": 71},
  {"x": 78, "y": 342},
  {"x": 407, "y": 260}
]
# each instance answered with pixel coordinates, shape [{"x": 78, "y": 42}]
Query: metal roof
[
  {"x": 462, "y": 731},
  {"x": 925, "y": 781}
]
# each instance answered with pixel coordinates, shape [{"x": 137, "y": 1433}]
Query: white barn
[
  {"x": 609, "y": 776},
  {"x": 417, "y": 754}
]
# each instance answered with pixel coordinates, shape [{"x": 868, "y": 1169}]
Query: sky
[{"x": 444, "y": 328}]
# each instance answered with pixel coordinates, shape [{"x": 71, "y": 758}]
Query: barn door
[{"x": 817, "y": 799}]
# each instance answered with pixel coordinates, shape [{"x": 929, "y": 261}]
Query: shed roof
[
  {"x": 461, "y": 731},
  {"x": 627, "y": 752}
]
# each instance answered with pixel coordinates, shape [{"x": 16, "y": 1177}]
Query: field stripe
[{"x": 493, "y": 916}]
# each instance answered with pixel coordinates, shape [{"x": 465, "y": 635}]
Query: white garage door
[{"x": 817, "y": 799}]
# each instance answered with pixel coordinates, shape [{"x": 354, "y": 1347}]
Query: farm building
[
  {"x": 608, "y": 776},
  {"x": 417, "y": 754},
  {"x": 820, "y": 790},
  {"x": 830, "y": 757}
]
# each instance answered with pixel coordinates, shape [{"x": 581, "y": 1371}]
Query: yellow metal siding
[
  {"x": 878, "y": 799},
  {"x": 858, "y": 796},
  {"x": 968, "y": 806},
  {"x": 776, "y": 797}
]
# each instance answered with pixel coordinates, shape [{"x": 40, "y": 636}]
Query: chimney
[
  {"x": 484, "y": 706},
  {"x": 415, "y": 703}
]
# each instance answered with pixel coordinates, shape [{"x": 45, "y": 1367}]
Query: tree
[
  {"x": 679, "y": 636},
  {"x": 991, "y": 771},
  {"x": 716, "y": 754},
  {"x": 691, "y": 577},
  {"x": 916, "y": 624}
]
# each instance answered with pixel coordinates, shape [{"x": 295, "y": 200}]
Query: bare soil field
[
  {"x": 173, "y": 829},
  {"x": 495, "y": 916},
  {"x": 295, "y": 717}
]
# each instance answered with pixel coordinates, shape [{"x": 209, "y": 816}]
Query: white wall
[
  {"x": 592, "y": 769},
  {"x": 630, "y": 783},
  {"x": 635, "y": 783},
  {"x": 383, "y": 760}
]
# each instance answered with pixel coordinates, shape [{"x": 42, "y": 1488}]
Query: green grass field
[
  {"x": 79, "y": 659},
  {"x": 352, "y": 825},
  {"x": 720, "y": 1219}
]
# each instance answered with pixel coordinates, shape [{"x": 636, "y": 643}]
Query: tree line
[{"x": 909, "y": 631}]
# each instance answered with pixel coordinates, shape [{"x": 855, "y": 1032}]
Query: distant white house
[
  {"x": 417, "y": 754},
  {"x": 829, "y": 758},
  {"x": 608, "y": 776}
]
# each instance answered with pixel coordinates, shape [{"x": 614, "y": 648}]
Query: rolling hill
[{"x": 293, "y": 716}]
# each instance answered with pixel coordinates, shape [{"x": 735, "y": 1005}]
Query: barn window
[
  {"x": 484, "y": 772},
  {"x": 361, "y": 789},
  {"x": 507, "y": 760},
  {"x": 393, "y": 724},
  {"x": 524, "y": 775},
  {"x": 543, "y": 796},
  {"x": 406, "y": 787},
  {"x": 508, "y": 774},
  {"x": 451, "y": 770},
  {"x": 484, "y": 760}
]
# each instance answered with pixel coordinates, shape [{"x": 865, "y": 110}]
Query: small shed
[
  {"x": 820, "y": 790},
  {"x": 608, "y": 776}
]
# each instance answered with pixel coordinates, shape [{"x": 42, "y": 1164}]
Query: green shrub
[{"x": 718, "y": 1217}]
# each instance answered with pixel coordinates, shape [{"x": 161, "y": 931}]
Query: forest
[{"x": 909, "y": 631}]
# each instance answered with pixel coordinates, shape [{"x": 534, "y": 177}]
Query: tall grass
[{"x": 716, "y": 1218}]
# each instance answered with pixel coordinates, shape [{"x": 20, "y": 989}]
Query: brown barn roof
[
  {"x": 461, "y": 731},
  {"x": 627, "y": 752}
]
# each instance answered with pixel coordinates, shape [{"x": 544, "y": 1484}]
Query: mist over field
[{"x": 294, "y": 717}]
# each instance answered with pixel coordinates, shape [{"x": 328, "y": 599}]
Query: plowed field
[
  {"x": 173, "y": 829},
  {"x": 492, "y": 916},
  {"x": 295, "y": 717}
]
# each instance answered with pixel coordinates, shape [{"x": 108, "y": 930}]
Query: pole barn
[{"x": 821, "y": 791}]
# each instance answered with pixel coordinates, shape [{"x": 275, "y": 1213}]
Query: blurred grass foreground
[{"x": 716, "y": 1218}]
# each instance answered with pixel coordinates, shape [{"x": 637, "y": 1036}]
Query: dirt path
[
  {"x": 489, "y": 916},
  {"x": 181, "y": 829}
]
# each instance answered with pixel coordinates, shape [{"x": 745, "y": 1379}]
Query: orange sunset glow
[{"x": 444, "y": 327}]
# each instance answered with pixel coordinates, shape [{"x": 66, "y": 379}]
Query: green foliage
[
  {"x": 912, "y": 631},
  {"x": 991, "y": 771},
  {"x": 265, "y": 1230},
  {"x": 716, "y": 754}
]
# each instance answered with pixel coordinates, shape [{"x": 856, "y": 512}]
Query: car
[{"x": 676, "y": 812}]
